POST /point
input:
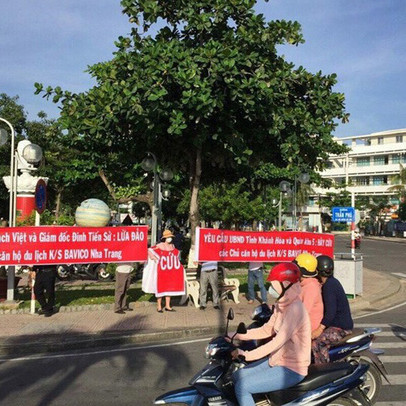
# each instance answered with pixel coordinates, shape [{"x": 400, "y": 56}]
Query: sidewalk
[{"x": 34, "y": 334}]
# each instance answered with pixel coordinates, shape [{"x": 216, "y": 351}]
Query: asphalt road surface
[
  {"x": 378, "y": 255},
  {"x": 136, "y": 375}
]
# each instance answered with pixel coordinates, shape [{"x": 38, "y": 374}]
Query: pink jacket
[
  {"x": 290, "y": 325},
  {"x": 312, "y": 300}
]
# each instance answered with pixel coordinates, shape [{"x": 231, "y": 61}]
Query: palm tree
[
  {"x": 302, "y": 198},
  {"x": 399, "y": 183}
]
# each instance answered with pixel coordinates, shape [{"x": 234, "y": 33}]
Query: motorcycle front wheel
[
  {"x": 63, "y": 272},
  {"x": 102, "y": 273}
]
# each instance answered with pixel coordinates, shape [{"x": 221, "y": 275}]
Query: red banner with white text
[
  {"x": 252, "y": 246},
  {"x": 72, "y": 245}
]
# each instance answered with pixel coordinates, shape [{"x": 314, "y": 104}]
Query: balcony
[
  {"x": 380, "y": 149},
  {"x": 358, "y": 190},
  {"x": 353, "y": 170}
]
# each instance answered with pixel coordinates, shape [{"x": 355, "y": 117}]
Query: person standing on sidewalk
[
  {"x": 123, "y": 281},
  {"x": 44, "y": 288},
  {"x": 209, "y": 274},
  {"x": 256, "y": 273},
  {"x": 164, "y": 275},
  {"x": 337, "y": 321}
]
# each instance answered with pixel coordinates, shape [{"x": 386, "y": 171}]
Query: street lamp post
[
  {"x": 150, "y": 163},
  {"x": 23, "y": 157},
  {"x": 284, "y": 187},
  {"x": 11, "y": 217},
  {"x": 302, "y": 178}
]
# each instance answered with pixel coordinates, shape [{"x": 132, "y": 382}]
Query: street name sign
[{"x": 343, "y": 214}]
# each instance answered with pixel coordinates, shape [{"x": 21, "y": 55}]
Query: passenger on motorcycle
[
  {"x": 337, "y": 321},
  {"x": 311, "y": 288},
  {"x": 287, "y": 355}
]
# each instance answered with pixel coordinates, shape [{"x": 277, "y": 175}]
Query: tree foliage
[{"x": 208, "y": 89}]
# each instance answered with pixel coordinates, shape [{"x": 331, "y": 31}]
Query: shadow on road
[{"x": 55, "y": 375}]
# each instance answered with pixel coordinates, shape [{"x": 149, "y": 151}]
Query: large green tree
[{"x": 201, "y": 85}]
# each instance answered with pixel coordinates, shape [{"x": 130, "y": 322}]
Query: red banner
[
  {"x": 251, "y": 246},
  {"x": 170, "y": 277},
  {"x": 72, "y": 245}
]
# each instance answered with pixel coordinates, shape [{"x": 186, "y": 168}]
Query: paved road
[
  {"x": 378, "y": 255},
  {"x": 124, "y": 376},
  {"x": 136, "y": 375},
  {"x": 393, "y": 341}
]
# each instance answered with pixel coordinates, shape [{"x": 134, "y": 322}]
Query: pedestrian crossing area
[
  {"x": 399, "y": 274},
  {"x": 392, "y": 340}
]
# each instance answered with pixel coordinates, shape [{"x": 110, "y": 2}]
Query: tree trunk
[
  {"x": 108, "y": 184},
  {"x": 146, "y": 198},
  {"x": 58, "y": 204},
  {"x": 195, "y": 175}
]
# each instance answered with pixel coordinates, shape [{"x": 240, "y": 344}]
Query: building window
[
  {"x": 380, "y": 140},
  {"x": 399, "y": 139},
  {"x": 381, "y": 160},
  {"x": 362, "y": 181},
  {"x": 399, "y": 159},
  {"x": 363, "y": 161},
  {"x": 380, "y": 180}
]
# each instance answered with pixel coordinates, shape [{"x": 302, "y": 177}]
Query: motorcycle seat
[
  {"x": 355, "y": 332},
  {"x": 322, "y": 374},
  {"x": 318, "y": 376}
]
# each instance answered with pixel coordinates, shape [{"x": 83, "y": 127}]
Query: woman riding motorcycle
[
  {"x": 311, "y": 288},
  {"x": 337, "y": 321},
  {"x": 288, "y": 352}
]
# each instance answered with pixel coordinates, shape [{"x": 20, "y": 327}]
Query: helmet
[
  {"x": 307, "y": 264},
  {"x": 325, "y": 265},
  {"x": 287, "y": 271}
]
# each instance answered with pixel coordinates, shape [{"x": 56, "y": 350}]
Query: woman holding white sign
[{"x": 164, "y": 275}]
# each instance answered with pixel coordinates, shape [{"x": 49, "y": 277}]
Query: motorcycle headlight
[{"x": 211, "y": 350}]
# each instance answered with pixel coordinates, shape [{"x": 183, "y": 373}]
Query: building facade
[{"x": 368, "y": 169}]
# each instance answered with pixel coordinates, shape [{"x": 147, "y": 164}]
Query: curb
[
  {"x": 71, "y": 309},
  {"x": 54, "y": 344}
]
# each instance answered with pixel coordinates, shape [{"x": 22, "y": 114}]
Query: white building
[{"x": 367, "y": 169}]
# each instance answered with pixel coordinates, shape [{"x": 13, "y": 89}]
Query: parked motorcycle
[
  {"x": 337, "y": 384},
  {"x": 354, "y": 347},
  {"x": 92, "y": 271}
]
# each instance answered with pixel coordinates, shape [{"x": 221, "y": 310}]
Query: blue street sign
[
  {"x": 343, "y": 214},
  {"x": 40, "y": 196}
]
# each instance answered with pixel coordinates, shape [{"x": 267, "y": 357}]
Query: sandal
[{"x": 170, "y": 310}]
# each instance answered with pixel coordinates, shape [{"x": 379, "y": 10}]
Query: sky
[{"x": 362, "y": 41}]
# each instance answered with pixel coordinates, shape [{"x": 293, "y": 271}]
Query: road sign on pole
[
  {"x": 40, "y": 196},
  {"x": 343, "y": 214}
]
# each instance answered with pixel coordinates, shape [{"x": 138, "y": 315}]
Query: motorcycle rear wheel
[
  {"x": 102, "y": 274},
  {"x": 63, "y": 272},
  {"x": 373, "y": 383}
]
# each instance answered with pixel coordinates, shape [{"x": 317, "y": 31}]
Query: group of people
[{"x": 311, "y": 313}]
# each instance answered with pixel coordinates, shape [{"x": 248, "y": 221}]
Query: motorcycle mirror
[
  {"x": 230, "y": 316},
  {"x": 241, "y": 329}
]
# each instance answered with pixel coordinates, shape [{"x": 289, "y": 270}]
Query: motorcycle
[
  {"x": 92, "y": 271},
  {"x": 354, "y": 347},
  {"x": 337, "y": 384}
]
